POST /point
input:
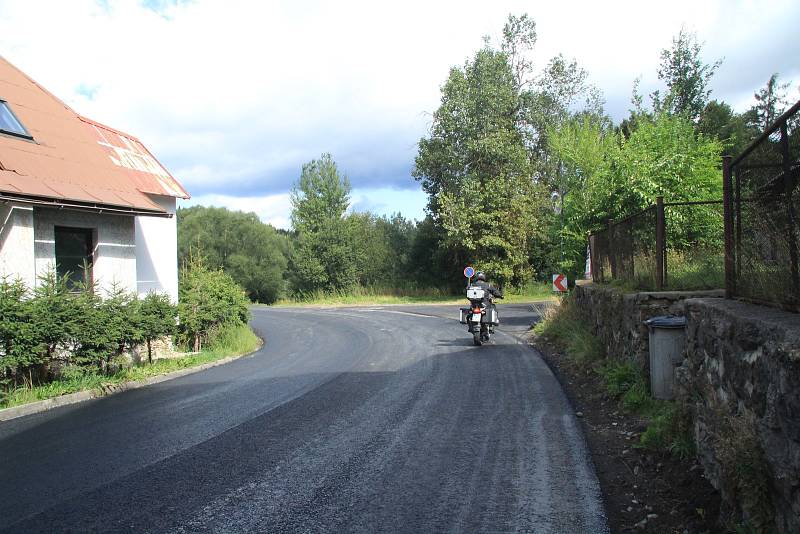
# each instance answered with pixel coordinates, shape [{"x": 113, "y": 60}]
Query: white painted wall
[
  {"x": 16, "y": 243},
  {"x": 157, "y": 251},
  {"x": 115, "y": 248}
]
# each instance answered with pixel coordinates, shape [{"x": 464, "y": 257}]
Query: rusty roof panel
[{"x": 74, "y": 158}]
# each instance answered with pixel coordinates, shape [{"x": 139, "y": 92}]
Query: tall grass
[
  {"x": 227, "y": 341},
  {"x": 409, "y": 294}
]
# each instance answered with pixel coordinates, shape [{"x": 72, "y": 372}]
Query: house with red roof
[{"x": 80, "y": 198}]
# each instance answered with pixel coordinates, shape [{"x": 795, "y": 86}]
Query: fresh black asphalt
[{"x": 362, "y": 419}]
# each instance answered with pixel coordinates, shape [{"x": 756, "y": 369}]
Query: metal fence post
[
  {"x": 661, "y": 246},
  {"x": 727, "y": 207}
]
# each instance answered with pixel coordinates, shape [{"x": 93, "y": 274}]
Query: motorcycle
[{"x": 481, "y": 316}]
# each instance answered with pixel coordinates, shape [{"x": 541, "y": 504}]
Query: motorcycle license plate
[{"x": 475, "y": 318}]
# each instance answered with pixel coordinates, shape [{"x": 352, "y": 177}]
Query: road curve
[{"x": 371, "y": 419}]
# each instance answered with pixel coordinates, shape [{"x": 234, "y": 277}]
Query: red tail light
[{"x": 476, "y": 310}]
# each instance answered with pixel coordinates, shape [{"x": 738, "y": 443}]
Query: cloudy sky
[{"x": 234, "y": 96}]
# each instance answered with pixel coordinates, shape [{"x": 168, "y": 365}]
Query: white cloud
[
  {"x": 234, "y": 96},
  {"x": 271, "y": 209}
]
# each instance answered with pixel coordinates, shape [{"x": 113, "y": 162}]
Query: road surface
[{"x": 370, "y": 419}]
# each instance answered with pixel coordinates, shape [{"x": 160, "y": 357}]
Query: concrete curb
[{"x": 7, "y": 414}]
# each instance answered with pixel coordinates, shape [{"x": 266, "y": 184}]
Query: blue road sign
[{"x": 469, "y": 272}]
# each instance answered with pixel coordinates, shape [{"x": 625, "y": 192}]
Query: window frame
[
  {"x": 90, "y": 236},
  {"x": 27, "y": 135}
]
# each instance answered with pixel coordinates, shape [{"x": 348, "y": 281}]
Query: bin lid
[{"x": 666, "y": 321}]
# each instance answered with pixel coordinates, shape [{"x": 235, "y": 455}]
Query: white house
[{"x": 74, "y": 192}]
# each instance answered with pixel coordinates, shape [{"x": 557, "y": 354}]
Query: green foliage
[
  {"x": 232, "y": 340},
  {"x": 687, "y": 78},
  {"x": 208, "y": 299},
  {"x": 254, "y": 254},
  {"x": 733, "y": 130},
  {"x": 476, "y": 170},
  {"x": 619, "y": 377},
  {"x": 155, "y": 319},
  {"x": 670, "y": 429},
  {"x": 54, "y": 311},
  {"x": 563, "y": 325},
  {"x": 747, "y": 473},
  {"x": 323, "y": 256},
  {"x": 319, "y": 196},
  {"x": 21, "y": 344},
  {"x": 770, "y": 103},
  {"x": 52, "y": 330}
]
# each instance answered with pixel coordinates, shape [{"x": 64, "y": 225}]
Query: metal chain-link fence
[
  {"x": 676, "y": 245},
  {"x": 762, "y": 187}
]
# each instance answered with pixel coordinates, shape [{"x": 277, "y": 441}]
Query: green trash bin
[{"x": 667, "y": 339}]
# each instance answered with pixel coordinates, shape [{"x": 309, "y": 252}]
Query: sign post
[
  {"x": 559, "y": 283},
  {"x": 469, "y": 272}
]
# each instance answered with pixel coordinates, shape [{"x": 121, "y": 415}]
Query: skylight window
[{"x": 9, "y": 123}]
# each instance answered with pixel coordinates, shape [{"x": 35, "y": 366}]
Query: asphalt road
[{"x": 348, "y": 420}]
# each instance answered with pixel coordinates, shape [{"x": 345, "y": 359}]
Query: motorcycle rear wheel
[{"x": 476, "y": 338}]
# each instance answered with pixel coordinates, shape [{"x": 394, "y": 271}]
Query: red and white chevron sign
[{"x": 559, "y": 283}]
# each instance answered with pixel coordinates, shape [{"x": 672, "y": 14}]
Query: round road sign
[{"x": 469, "y": 272}]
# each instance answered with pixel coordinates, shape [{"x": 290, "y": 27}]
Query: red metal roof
[{"x": 73, "y": 158}]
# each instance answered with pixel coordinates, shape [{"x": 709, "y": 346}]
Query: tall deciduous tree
[
  {"x": 324, "y": 256},
  {"x": 687, "y": 77},
  {"x": 770, "y": 103},
  {"x": 476, "y": 170}
]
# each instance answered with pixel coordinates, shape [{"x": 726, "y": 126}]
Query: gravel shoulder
[{"x": 642, "y": 491}]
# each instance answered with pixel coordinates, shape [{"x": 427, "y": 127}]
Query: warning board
[{"x": 559, "y": 283}]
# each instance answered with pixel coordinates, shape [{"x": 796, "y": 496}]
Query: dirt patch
[{"x": 643, "y": 491}]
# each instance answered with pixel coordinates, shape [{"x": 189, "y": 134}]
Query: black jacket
[{"x": 489, "y": 289}]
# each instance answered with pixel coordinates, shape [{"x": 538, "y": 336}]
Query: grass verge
[
  {"x": 361, "y": 296},
  {"x": 668, "y": 423},
  {"x": 230, "y": 341}
]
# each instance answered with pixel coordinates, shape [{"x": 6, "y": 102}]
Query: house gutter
[{"x": 76, "y": 206}]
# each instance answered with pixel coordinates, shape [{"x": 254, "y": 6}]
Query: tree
[
  {"x": 155, "y": 318},
  {"x": 21, "y": 345},
  {"x": 323, "y": 256},
  {"x": 253, "y": 253},
  {"x": 686, "y": 76},
  {"x": 320, "y": 196},
  {"x": 207, "y": 301},
  {"x": 476, "y": 170},
  {"x": 719, "y": 121},
  {"x": 770, "y": 103}
]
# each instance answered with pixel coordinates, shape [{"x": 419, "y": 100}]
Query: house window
[
  {"x": 74, "y": 255},
  {"x": 9, "y": 123}
]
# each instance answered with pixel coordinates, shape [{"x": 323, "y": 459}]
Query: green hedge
[{"x": 52, "y": 328}]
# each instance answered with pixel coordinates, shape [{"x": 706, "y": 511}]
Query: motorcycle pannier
[{"x": 462, "y": 315}]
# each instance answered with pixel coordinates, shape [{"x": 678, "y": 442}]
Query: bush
[
  {"x": 20, "y": 347},
  {"x": 53, "y": 330},
  {"x": 155, "y": 319},
  {"x": 208, "y": 299}
]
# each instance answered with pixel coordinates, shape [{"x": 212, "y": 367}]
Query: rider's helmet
[{"x": 480, "y": 276}]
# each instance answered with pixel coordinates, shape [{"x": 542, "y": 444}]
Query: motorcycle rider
[{"x": 489, "y": 291}]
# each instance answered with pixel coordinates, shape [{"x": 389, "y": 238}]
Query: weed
[
  {"x": 669, "y": 429},
  {"x": 563, "y": 325},
  {"x": 739, "y": 451}
]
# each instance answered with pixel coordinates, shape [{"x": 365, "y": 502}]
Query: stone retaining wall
[
  {"x": 617, "y": 318},
  {"x": 741, "y": 375},
  {"x": 741, "y": 380}
]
